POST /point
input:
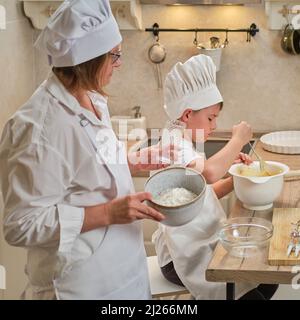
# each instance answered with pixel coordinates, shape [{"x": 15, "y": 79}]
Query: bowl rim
[
  {"x": 257, "y": 222},
  {"x": 232, "y": 170},
  {"x": 181, "y": 205}
]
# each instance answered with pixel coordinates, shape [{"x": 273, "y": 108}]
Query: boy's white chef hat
[
  {"x": 191, "y": 85},
  {"x": 79, "y": 31}
]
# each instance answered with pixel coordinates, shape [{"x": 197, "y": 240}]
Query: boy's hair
[{"x": 220, "y": 103}]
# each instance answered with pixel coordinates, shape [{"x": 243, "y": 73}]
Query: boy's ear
[{"x": 186, "y": 115}]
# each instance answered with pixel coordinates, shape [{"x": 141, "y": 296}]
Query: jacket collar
[{"x": 57, "y": 90}]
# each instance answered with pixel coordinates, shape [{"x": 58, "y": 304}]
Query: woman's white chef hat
[
  {"x": 191, "y": 85},
  {"x": 79, "y": 31}
]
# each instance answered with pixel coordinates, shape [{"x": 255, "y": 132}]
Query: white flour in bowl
[{"x": 174, "y": 197}]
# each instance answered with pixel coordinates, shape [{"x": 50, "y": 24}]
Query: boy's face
[{"x": 205, "y": 119}]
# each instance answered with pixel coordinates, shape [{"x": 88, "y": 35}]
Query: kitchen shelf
[
  {"x": 251, "y": 31},
  {"x": 128, "y": 13}
]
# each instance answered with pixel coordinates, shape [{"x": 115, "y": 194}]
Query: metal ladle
[{"x": 157, "y": 55}]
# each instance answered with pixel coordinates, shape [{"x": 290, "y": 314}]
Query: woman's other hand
[
  {"x": 120, "y": 211},
  {"x": 243, "y": 158},
  {"x": 131, "y": 208},
  {"x": 153, "y": 158}
]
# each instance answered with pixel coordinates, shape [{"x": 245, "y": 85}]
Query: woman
[{"x": 66, "y": 183}]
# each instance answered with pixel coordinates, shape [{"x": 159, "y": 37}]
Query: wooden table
[{"x": 225, "y": 268}]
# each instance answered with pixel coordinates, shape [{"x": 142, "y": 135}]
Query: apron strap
[{"x": 86, "y": 125}]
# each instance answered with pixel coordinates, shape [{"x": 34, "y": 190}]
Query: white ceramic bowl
[
  {"x": 258, "y": 193},
  {"x": 177, "y": 177},
  {"x": 287, "y": 142}
]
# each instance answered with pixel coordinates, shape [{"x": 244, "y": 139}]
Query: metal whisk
[{"x": 262, "y": 163}]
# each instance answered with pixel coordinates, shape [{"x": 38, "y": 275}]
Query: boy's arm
[
  {"x": 223, "y": 187},
  {"x": 217, "y": 166}
]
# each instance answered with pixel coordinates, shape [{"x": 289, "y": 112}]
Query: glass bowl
[{"x": 245, "y": 236}]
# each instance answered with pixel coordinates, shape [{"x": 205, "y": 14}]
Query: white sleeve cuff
[
  {"x": 187, "y": 154},
  {"x": 71, "y": 221}
]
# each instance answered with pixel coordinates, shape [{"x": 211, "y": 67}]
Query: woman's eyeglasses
[{"x": 115, "y": 57}]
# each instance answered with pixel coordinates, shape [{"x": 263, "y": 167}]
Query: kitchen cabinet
[
  {"x": 128, "y": 13},
  {"x": 279, "y": 12}
]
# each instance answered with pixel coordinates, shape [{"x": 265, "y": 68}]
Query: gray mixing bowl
[{"x": 177, "y": 177}]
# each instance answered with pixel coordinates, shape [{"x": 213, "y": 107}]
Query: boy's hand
[
  {"x": 243, "y": 158},
  {"x": 243, "y": 132}
]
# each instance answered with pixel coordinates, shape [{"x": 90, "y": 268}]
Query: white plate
[{"x": 282, "y": 142}]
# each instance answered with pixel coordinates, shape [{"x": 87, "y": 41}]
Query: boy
[{"x": 193, "y": 99}]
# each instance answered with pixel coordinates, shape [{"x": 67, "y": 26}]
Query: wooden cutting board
[{"x": 282, "y": 219}]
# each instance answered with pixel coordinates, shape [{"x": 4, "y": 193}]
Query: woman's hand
[
  {"x": 153, "y": 158},
  {"x": 243, "y": 158},
  {"x": 120, "y": 211},
  {"x": 131, "y": 208}
]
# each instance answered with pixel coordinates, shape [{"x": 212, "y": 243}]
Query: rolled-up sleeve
[{"x": 34, "y": 181}]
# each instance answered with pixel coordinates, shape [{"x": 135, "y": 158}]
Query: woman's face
[
  {"x": 113, "y": 61},
  {"x": 205, "y": 119}
]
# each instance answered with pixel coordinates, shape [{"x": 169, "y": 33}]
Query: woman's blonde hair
[{"x": 87, "y": 75}]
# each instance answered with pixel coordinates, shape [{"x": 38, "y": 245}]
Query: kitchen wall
[
  {"x": 16, "y": 60},
  {"x": 259, "y": 82},
  {"x": 17, "y": 83}
]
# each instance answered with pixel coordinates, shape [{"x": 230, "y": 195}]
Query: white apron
[
  {"x": 191, "y": 248},
  {"x": 117, "y": 268}
]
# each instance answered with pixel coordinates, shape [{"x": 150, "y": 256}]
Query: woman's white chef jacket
[
  {"x": 191, "y": 246},
  {"x": 51, "y": 168}
]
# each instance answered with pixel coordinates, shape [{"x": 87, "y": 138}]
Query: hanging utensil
[
  {"x": 248, "y": 39},
  {"x": 226, "y": 42},
  {"x": 157, "y": 55},
  {"x": 214, "y": 42},
  {"x": 195, "y": 42},
  {"x": 290, "y": 41}
]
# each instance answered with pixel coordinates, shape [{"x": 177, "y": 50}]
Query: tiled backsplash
[{"x": 259, "y": 82}]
